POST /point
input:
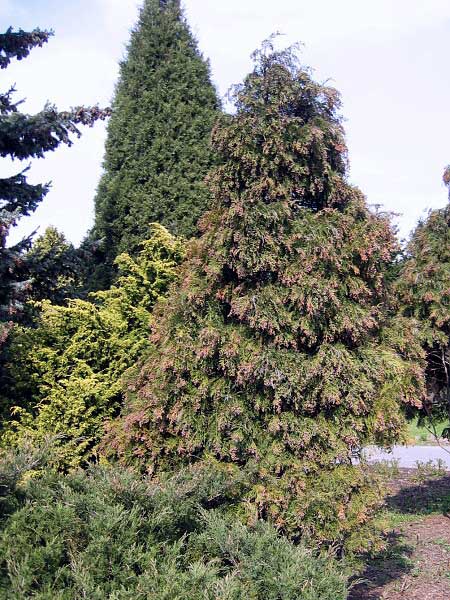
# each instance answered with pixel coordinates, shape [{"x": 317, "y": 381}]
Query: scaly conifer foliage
[
  {"x": 277, "y": 352},
  {"x": 108, "y": 533},
  {"x": 25, "y": 136},
  {"x": 157, "y": 149},
  {"x": 63, "y": 376},
  {"x": 54, "y": 268},
  {"x": 424, "y": 291}
]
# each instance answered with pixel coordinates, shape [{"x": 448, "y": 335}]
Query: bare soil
[{"x": 416, "y": 562}]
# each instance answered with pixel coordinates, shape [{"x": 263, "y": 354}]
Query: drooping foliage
[
  {"x": 279, "y": 352},
  {"x": 107, "y": 533},
  {"x": 424, "y": 291},
  {"x": 63, "y": 376},
  {"x": 157, "y": 148},
  {"x": 24, "y": 136}
]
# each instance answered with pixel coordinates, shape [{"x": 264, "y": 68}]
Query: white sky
[{"x": 388, "y": 58}]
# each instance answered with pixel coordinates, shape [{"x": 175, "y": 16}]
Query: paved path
[{"x": 408, "y": 456}]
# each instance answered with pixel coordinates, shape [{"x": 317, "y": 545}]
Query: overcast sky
[{"x": 388, "y": 58}]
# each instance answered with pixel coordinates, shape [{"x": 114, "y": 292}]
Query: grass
[
  {"x": 442, "y": 543},
  {"x": 393, "y": 519},
  {"x": 421, "y": 435},
  {"x": 413, "y": 497},
  {"x": 426, "y": 493},
  {"x": 429, "y": 470}
]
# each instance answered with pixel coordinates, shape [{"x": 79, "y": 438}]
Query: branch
[
  {"x": 434, "y": 433},
  {"x": 17, "y": 194},
  {"x": 23, "y": 136},
  {"x": 19, "y": 44},
  {"x": 6, "y": 106}
]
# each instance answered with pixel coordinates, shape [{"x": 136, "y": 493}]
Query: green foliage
[
  {"x": 157, "y": 149},
  {"x": 18, "y": 44},
  {"x": 54, "y": 268},
  {"x": 429, "y": 470},
  {"x": 23, "y": 136},
  {"x": 421, "y": 431},
  {"x": 279, "y": 349},
  {"x": 64, "y": 376},
  {"x": 17, "y": 465},
  {"x": 424, "y": 291},
  {"x": 107, "y": 533}
]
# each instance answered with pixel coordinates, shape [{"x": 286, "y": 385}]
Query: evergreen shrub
[
  {"x": 110, "y": 534},
  {"x": 63, "y": 376},
  {"x": 280, "y": 350},
  {"x": 424, "y": 292}
]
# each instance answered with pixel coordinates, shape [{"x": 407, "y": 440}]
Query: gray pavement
[{"x": 408, "y": 456}]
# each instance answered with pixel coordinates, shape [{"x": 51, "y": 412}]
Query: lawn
[
  {"x": 421, "y": 434},
  {"x": 415, "y": 564}
]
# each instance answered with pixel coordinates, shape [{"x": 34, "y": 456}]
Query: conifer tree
[
  {"x": 157, "y": 149},
  {"x": 63, "y": 377},
  {"x": 54, "y": 268},
  {"x": 25, "y": 136},
  {"x": 424, "y": 291},
  {"x": 277, "y": 354}
]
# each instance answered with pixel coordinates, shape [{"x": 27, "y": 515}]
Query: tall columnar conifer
[
  {"x": 277, "y": 352},
  {"x": 158, "y": 144}
]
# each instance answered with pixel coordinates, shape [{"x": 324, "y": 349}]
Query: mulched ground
[{"x": 416, "y": 564}]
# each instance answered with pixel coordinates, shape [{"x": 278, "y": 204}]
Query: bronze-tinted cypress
[{"x": 277, "y": 353}]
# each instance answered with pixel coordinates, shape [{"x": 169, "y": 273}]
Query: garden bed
[{"x": 416, "y": 562}]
